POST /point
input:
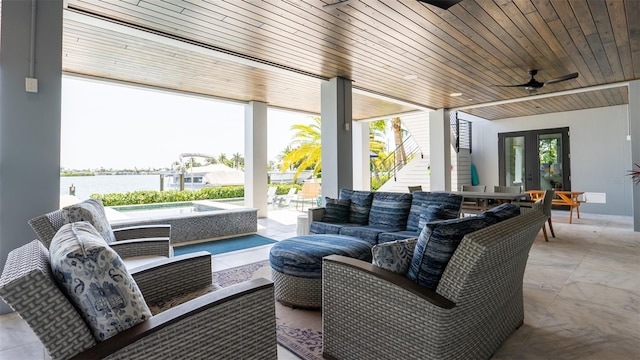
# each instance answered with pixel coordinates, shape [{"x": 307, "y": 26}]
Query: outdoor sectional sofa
[{"x": 379, "y": 217}]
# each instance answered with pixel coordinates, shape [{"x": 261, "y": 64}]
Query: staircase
[{"x": 416, "y": 172}]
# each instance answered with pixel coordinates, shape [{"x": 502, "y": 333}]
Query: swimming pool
[
  {"x": 167, "y": 209},
  {"x": 190, "y": 221}
]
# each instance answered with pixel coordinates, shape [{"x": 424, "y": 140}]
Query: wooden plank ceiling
[{"x": 406, "y": 50}]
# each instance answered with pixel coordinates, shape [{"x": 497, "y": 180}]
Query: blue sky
[{"x": 114, "y": 126}]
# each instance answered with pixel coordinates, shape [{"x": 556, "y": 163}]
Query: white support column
[
  {"x": 337, "y": 149},
  {"x": 30, "y": 122},
  {"x": 440, "y": 150},
  {"x": 361, "y": 159},
  {"x": 255, "y": 162},
  {"x": 634, "y": 131}
]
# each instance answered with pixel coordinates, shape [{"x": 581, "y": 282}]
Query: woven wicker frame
[
  {"x": 237, "y": 322},
  {"x": 477, "y": 305},
  {"x": 151, "y": 240},
  {"x": 296, "y": 291}
]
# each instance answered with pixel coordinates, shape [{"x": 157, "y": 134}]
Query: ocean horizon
[{"x": 85, "y": 186}]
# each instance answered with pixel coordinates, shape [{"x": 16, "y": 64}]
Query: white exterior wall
[{"x": 600, "y": 152}]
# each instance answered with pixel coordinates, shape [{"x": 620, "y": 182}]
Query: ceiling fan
[
  {"x": 443, "y": 4},
  {"x": 534, "y": 84}
]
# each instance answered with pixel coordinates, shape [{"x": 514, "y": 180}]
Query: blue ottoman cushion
[{"x": 301, "y": 256}]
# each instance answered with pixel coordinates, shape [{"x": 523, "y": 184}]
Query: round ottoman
[{"x": 296, "y": 265}]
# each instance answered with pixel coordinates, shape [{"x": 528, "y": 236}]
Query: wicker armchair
[
  {"x": 372, "y": 313},
  {"x": 148, "y": 241},
  {"x": 237, "y": 322}
]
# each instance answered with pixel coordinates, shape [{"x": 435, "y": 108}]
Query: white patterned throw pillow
[
  {"x": 394, "y": 255},
  {"x": 92, "y": 211},
  {"x": 95, "y": 280}
]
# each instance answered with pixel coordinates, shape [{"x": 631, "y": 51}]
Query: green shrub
[{"x": 154, "y": 196}]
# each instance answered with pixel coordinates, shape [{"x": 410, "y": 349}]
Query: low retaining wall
[{"x": 200, "y": 226}]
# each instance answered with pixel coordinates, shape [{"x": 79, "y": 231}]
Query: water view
[{"x": 107, "y": 184}]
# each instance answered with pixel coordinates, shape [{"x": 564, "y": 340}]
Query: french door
[{"x": 535, "y": 160}]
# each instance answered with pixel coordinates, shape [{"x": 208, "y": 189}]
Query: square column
[
  {"x": 255, "y": 145},
  {"x": 634, "y": 132},
  {"x": 361, "y": 159},
  {"x": 29, "y": 121},
  {"x": 440, "y": 150},
  {"x": 337, "y": 143}
]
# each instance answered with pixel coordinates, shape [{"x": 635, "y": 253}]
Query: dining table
[
  {"x": 561, "y": 198},
  {"x": 484, "y": 198}
]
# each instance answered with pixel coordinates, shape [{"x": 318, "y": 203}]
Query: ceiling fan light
[{"x": 442, "y": 4}]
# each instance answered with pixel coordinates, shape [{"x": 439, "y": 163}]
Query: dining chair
[
  {"x": 473, "y": 205},
  {"x": 543, "y": 205}
]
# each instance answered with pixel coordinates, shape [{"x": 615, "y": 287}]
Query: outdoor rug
[
  {"x": 225, "y": 245},
  {"x": 298, "y": 330}
]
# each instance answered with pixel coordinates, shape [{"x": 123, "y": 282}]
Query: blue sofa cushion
[
  {"x": 504, "y": 211},
  {"x": 431, "y": 213},
  {"x": 450, "y": 202},
  {"x": 336, "y": 211},
  {"x": 301, "y": 256},
  {"x": 437, "y": 243},
  {"x": 360, "y": 205},
  {"x": 367, "y": 233},
  {"x": 319, "y": 227},
  {"x": 396, "y": 235},
  {"x": 390, "y": 210}
]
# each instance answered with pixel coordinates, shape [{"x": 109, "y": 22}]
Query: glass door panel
[
  {"x": 535, "y": 160},
  {"x": 550, "y": 160},
  {"x": 514, "y": 158}
]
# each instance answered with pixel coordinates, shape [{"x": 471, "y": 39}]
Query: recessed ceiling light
[
  {"x": 455, "y": 94},
  {"x": 411, "y": 77}
]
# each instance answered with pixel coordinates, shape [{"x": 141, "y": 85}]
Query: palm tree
[
  {"x": 222, "y": 158},
  {"x": 237, "y": 160},
  {"x": 377, "y": 144},
  {"x": 401, "y": 155},
  {"x": 306, "y": 149}
]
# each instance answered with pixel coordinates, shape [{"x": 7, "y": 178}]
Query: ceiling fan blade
[
  {"x": 519, "y": 85},
  {"x": 562, "y": 78},
  {"x": 442, "y": 4}
]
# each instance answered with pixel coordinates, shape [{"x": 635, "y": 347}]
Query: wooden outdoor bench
[{"x": 563, "y": 198}]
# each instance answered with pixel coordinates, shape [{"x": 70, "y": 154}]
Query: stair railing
[{"x": 398, "y": 158}]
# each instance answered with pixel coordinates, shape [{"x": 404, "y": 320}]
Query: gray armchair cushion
[
  {"x": 92, "y": 211},
  {"x": 360, "y": 205},
  {"x": 95, "y": 280}
]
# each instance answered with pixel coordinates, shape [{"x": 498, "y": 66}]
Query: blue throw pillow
[
  {"x": 450, "y": 202},
  {"x": 390, "y": 210},
  {"x": 504, "y": 211},
  {"x": 360, "y": 205},
  {"x": 437, "y": 243},
  {"x": 336, "y": 211},
  {"x": 431, "y": 213}
]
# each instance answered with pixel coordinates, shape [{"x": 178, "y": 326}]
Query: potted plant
[{"x": 635, "y": 174}]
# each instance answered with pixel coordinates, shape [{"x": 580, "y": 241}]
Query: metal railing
[{"x": 396, "y": 160}]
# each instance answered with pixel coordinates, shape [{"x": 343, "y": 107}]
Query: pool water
[{"x": 158, "y": 210}]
